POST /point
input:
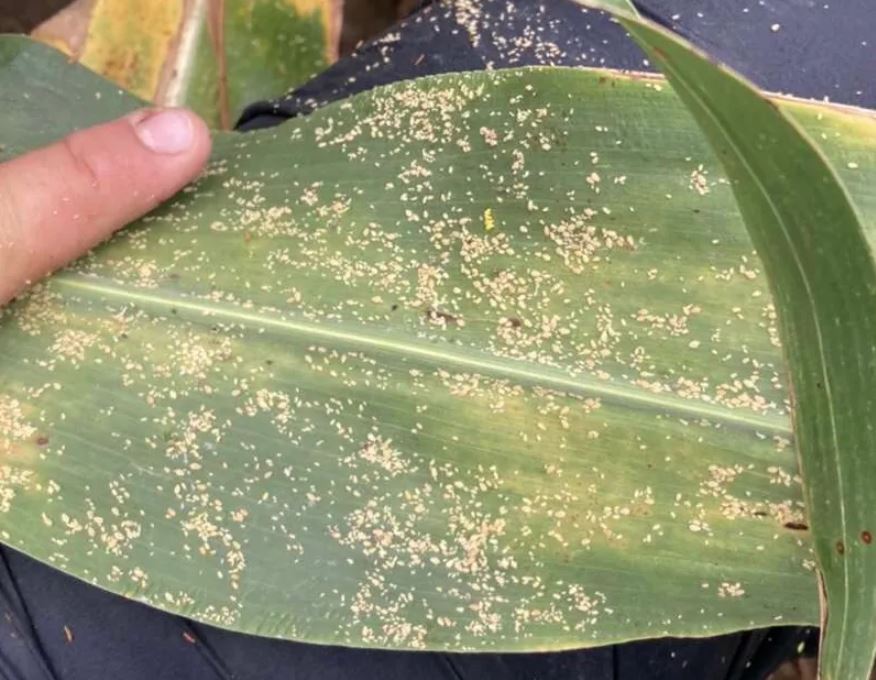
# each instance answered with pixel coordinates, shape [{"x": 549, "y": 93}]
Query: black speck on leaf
[{"x": 434, "y": 315}]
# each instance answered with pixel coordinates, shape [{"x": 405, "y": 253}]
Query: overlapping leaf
[{"x": 822, "y": 270}]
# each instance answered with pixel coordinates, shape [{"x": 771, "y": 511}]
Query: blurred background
[
  {"x": 360, "y": 19},
  {"x": 190, "y": 51}
]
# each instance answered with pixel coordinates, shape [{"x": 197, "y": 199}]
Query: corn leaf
[
  {"x": 480, "y": 361},
  {"x": 820, "y": 265}
]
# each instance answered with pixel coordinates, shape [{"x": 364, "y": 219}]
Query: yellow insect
[{"x": 489, "y": 220}]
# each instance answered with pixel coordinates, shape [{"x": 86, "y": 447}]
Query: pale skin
[{"x": 58, "y": 202}]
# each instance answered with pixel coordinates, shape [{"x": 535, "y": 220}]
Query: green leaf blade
[
  {"x": 267, "y": 48},
  {"x": 822, "y": 271},
  {"x": 298, "y": 359}
]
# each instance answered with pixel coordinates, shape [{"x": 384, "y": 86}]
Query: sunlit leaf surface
[{"x": 476, "y": 361}]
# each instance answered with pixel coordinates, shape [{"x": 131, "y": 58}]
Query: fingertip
[
  {"x": 203, "y": 144},
  {"x": 171, "y": 132},
  {"x": 61, "y": 200},
  {"x": 177, "y": 143},
  {"x": 203, "y": 140}
]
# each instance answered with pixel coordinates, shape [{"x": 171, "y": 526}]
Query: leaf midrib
[{"x": 446, "y": 356}]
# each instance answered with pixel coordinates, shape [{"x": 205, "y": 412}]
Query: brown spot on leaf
[
  {"x": 866, "y": 537},
  {"x": 433, "y": 314}
]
